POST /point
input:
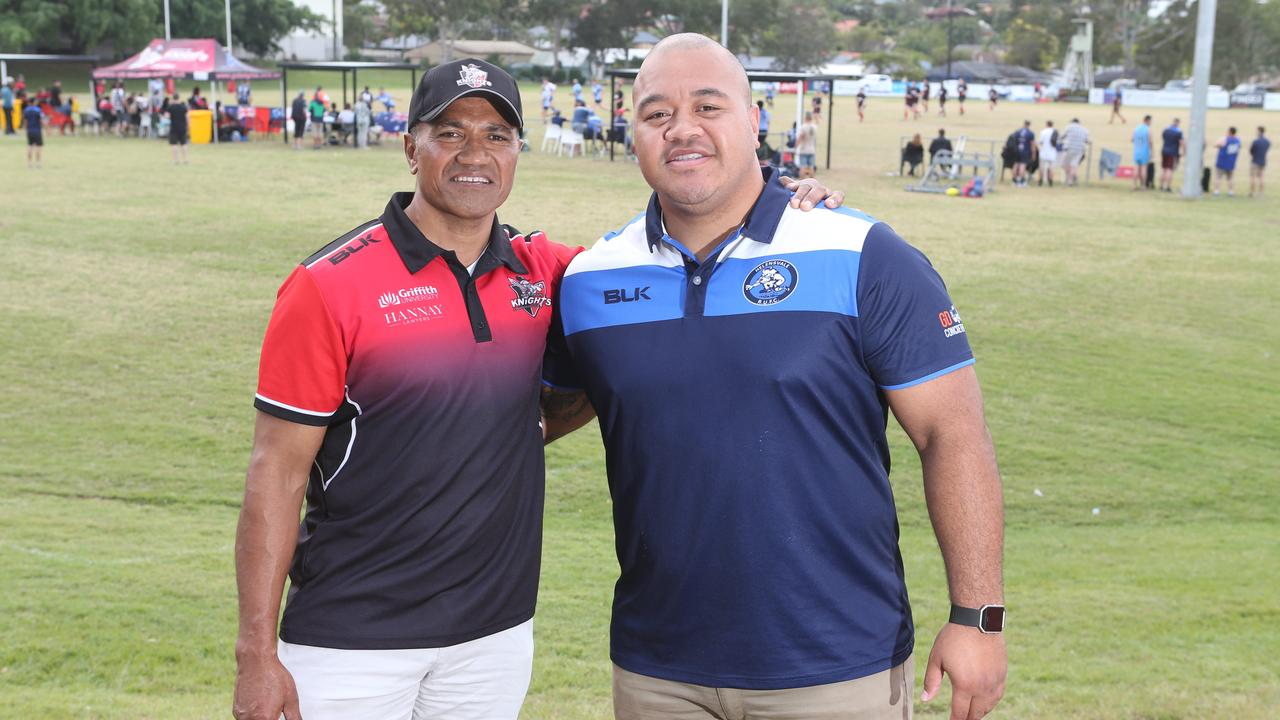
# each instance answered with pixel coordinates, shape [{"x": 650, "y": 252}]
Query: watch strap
[{"x": 971, "y": 617}]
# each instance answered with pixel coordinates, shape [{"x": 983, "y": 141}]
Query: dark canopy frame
[
  {"x": 752, "y": 76},
  {"x": 6, "y": 58},
  {"x": 352, "y": 66}
]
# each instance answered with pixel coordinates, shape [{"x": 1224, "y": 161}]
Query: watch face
[{"x": 992, "y": 619}]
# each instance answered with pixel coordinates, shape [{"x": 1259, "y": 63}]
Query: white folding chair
[
  {"x": 551, "y": 138},
  {"x": 570, "y": 139}
]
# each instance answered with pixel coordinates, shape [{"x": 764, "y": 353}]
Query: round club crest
[{"x": 770, "y": 282}]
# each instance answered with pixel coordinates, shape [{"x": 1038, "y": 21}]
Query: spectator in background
[
  {"x": 6, "y": 101},
  {"x": 1048, "y": 152},
  {"x": 597, "y": 92},
  {"x": 770, "y": 89},
  {"x": 1142, "y": 155},
  {"x": 384, "y": 97},
  {"x": 924, "y": 96},
  {"x": 155, "y": 89},
  {"x": 862, "y": 102},
  {"x": 366, "y": 97},
  {"x": 939, "y": 144},
  {"x": 580, "y": 115},
  {"x": 1228, "y": 152},
  {"x": 1074, "y": 141},
  {"x": 764, "y": 122},
  {"x": 577, "y": 90},
  {"x": 346, "y": 123},
  {"x": 1258, "y": 161},
  {"x": 548, "y": 97},
  {"x": 363, "y": 116},
  {"x": 20, "y": 85},
  {"x": 33, "y": 121},
  {"x": 942, "y": 99},
  {"x": 316, "y": 108},
  {"x": 118, "y": 115},
  {"x": 556, "y": 118},
  {"x": 298, "y": 111},
  {"x": 912, "y": 155},
  {"x": 55, "y": 95},
  {"x": 807, "y": 145},
  {"x": 178, "y": 129},
  {"x": 243, "y": 93},
  {"x": 197, "y": 101},
  {"x": 1025, "y": 148},
  {"x": 143, "y": 106},
  {"x": 1173, "y": 147},
  {"x": 1115, "y": 108},
  {"x": 962, "y": 92},
  {"x": 70, "y": 110},
  {"x": 993, "y": 97}
]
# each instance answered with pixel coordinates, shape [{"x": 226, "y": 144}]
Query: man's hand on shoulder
[
  {"x": 264, "y": 690},
  {"x": 809, "y": 192},
  {"x": 977, "y": 664}
]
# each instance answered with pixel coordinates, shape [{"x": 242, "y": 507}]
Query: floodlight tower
[{"x": 1078, "y": 67}]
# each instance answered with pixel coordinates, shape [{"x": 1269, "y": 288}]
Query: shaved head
[{"x": 707, "y": 50}]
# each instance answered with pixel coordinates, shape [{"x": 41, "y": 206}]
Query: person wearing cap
[{"x": 399, "y": 389}]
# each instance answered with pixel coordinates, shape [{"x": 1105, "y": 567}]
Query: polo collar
[
  {"x": 416, "y": 251},
  {"x": 761, "y": 223}
]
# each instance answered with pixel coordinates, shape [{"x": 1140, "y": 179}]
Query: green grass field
[{"x": 1127, "y": 342}]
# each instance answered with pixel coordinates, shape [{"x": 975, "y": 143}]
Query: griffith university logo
[
  {"x": 770, "y": 282},
  {"x": 950, "y": 320},
  {"x": 473, "y": 76},
  {"x": 421, "y": 293},
  {"x": 530, "y": 296}
]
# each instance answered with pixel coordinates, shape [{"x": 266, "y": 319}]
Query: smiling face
[
  {"x": 465, "y": 159},
  {"x": 695, "y": 126}
]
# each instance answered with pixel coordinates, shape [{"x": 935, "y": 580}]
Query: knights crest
[
  {"x": 473, "y": 76},
  {"x": 530, "y": 296}
]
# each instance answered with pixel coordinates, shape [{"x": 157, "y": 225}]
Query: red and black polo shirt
[{"x": 424, "y": 509}]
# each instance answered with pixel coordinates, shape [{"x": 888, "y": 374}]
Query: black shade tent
[
  {"x": 6, "y": 58},
  {"x": 753, "y": 76},
  {"x": 345, "y": 66}
]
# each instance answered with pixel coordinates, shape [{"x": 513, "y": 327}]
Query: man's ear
[{"x": 411, "y": 152}]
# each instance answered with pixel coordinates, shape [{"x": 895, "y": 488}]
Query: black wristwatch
[{"x": 988, "y": 618}]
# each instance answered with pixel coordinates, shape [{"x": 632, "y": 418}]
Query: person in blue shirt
[
  {"x": 1025, "y": 147},
  {"x": 6, "y": 100},
  {"x": 1173, "y": 146},
  {"x": 1228, "y": 152},
  {"x": 580, "y": 115},
  {"x": 1144, "y": 171},
  {"x": 764, "y": 122},
  {"x": 597, "y": 92},
  {"x": 742, "y": 358},
  {"x": 1258, "y": 161},
  {"x": 33, "y": 120},
  {"x": 577, "y": 89}
]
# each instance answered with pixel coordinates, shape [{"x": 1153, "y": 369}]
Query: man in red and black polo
[{"x": 399, "y": 388}]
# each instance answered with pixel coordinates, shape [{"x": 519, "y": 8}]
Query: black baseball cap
[{"x": 449, "y": 81}]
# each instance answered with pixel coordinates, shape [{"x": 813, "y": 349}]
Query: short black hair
[{"x": 1231, "y": 130}]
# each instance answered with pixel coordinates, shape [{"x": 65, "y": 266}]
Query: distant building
[
  {"x": 323, "y": 45},
  {"x": 507, "y": 52}
]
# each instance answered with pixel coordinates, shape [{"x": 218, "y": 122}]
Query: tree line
[{"x": 895, "y": 37}]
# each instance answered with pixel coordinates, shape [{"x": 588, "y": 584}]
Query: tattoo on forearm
[{"x": 560, "y": 405}]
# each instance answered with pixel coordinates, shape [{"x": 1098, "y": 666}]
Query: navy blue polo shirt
[{"x": 743, "y": 409}]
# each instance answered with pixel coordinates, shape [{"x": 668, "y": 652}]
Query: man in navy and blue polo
[
  {"x": 399, "y": 388},
  {"x": 742, "y": 357}
]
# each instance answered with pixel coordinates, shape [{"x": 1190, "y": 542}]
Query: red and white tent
[{"x": 195, "y": 59}]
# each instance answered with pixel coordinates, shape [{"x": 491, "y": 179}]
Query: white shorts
[{"x": 484, "y": 679}]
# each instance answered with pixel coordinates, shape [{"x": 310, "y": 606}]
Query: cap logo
[{"x": 473, "y": 76}]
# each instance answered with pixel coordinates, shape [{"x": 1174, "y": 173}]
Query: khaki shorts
[
  {"x": 883, "y": 696},
  {"x": 1256, "y": 170}
]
